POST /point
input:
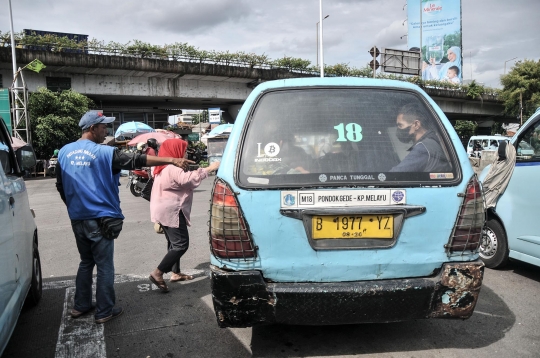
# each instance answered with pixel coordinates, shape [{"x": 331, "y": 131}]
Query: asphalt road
[{"x": 181, "y": 323}]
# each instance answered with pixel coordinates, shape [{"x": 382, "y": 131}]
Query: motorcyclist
[
  {"x": 141, "y": 148},
  {"x": 152, "y": 147}
]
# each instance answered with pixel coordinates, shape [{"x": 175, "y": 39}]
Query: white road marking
[
  {"x": 56, "y": 285},
  {"x": 81, "y": 337}
]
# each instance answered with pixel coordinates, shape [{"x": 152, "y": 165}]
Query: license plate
[{"x": 353, "y": 227}]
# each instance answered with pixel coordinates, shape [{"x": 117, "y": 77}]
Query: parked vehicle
[
  {"x": 512, "y": 229},
  {"x": 197, "y": 154},
  {"x": 483, "y": 142},
  {"x": 313, "y": 222},
  {"x": 20, "y": 267},
  {"x": 137, "y": 179}
]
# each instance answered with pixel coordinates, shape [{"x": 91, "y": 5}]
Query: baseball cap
[{"x": 91, "y": 118}]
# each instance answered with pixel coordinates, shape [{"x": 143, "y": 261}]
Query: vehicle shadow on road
[
  {"x": 524, "y": 269},
  {"x": 418, "y": 335}
]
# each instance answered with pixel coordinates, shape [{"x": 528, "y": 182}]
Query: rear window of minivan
[{"x": 329, "y": 136}]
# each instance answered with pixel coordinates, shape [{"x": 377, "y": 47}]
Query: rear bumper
[{"x": 243, "y": 298}]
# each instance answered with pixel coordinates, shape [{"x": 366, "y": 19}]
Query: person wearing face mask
[{"x": 426, "y": 154}]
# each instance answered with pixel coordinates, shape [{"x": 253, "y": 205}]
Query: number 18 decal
[{"x": 353, "y": 132}]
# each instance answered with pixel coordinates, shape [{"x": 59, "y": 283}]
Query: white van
[
  {"x": 20, "y": 268},
  {"x": 485, "y": 141}
]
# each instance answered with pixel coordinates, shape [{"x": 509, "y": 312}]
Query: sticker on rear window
[{"x": 441, "y": 175}]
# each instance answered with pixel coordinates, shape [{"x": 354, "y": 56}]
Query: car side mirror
[{"x": 26, "y": 158}]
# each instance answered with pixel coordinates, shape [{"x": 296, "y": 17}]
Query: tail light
[
  {"x": 470, "y": 221},
  {"x": 229, "y": 236}
]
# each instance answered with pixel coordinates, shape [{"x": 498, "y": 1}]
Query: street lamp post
[
  {"x": 318, "y": 40},
  {"x": 506, "y": 62}
]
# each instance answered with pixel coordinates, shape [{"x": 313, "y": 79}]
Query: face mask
[{"x": 403, "y": 134}]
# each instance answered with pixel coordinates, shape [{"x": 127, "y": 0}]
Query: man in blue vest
[{"x": 88, "y": 176}]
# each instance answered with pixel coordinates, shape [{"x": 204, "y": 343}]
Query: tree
[
  {"x": 201, "y": 117},
  {"x": 522, "y": 81},
  {"x": 465, "y": 129},
  {"x": 54, "y": 119}
]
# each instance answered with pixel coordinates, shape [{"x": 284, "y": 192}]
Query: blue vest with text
[{"x": 90, "y": 187}]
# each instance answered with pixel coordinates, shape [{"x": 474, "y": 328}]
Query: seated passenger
[
  {"x": 426, "y": 154},
  {"x": 494, "y": 145}
]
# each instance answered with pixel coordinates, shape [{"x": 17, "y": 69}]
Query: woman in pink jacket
[{"x": 170, "y": 205}]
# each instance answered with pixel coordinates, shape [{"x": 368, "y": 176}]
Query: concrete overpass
[{"x": 134, "y": 88}]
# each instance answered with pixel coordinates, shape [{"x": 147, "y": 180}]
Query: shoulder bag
[{"x": 146, "y": 192}]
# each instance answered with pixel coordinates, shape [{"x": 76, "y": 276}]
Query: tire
[
  {"x": 52, "y": 172},
  {"x": 494, "y": 245},
  {"x": 36, "y": 286},
  {"x": 135, "y": 190}
]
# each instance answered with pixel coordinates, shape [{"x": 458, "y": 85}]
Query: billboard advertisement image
[{"x": 434, "y": 26}]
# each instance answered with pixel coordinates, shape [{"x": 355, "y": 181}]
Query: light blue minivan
[
  {"x": 343, "y": 200},
  {"x": 20, "y": 267},
  {"x": 513, "y": 229}
]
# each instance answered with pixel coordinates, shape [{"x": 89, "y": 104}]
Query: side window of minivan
[
  {"x": 4, "y": 153},
  {"x": 528, "y": 144}
]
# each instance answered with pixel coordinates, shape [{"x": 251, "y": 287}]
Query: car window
[
  {"x": 528, "y": 144},
  {"x": 4, "y": 153},
  {"x": 328, "y": 136}
]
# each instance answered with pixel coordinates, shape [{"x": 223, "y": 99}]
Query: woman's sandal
[
  {"x": 182, "y": 278},
  {"x": 160, "y": 284}
]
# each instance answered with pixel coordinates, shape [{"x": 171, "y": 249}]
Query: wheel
[
  {"x": 135, "y": 190},
  {"x": 494, "y": 245},
  {"x": 52, "y": 172},
  {"x": 36, "y": 287}
]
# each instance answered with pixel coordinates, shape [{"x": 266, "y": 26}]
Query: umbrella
[
  {"x": 17, "y": 143},
  {"x": 222, "y": 129},
  {"x": 130, "y": 129},
  {"x": 160, "y": 136}
]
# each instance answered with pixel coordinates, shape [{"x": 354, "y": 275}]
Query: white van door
[{"x": 9, "y": 270}]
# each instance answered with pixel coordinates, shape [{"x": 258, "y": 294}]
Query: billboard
[
  {"x": 214, "y": 115},
  {"x": 5, "y": 110},
  {"x": 434, "y": 26}
]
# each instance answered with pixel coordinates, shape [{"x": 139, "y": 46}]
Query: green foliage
[
  {"x": 474, "y": 90},
  {"x": 292, "y": 64},
  {"x": 465, "y": 129},
  {"x": 200, "y": 118},
  {"x": 523, "y": 80},
  {"x": 54, "y": 118}
]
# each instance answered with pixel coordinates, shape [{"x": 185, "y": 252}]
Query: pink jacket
[{"x": 172, "y": 192}]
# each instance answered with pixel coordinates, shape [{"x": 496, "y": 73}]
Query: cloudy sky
[{"x": 494, "y": 31}]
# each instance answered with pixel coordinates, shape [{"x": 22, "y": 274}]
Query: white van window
[{"x": 328, "y": 136}]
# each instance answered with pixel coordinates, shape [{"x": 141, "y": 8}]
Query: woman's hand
[{"x": 212, "y": 167}]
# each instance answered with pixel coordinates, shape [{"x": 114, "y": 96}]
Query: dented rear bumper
[{"x": 244, "y": 298}]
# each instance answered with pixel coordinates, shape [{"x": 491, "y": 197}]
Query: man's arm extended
[{"x": 130, "y": 161}]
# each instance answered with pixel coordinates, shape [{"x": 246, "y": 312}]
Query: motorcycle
[
  {"x": 137, "y": 180},
  {"x": 51, "y": 169},
  {"x": 197, "y": 154}
]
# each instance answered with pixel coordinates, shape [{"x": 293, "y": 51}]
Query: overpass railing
[{"x": 183, "y": 52}]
